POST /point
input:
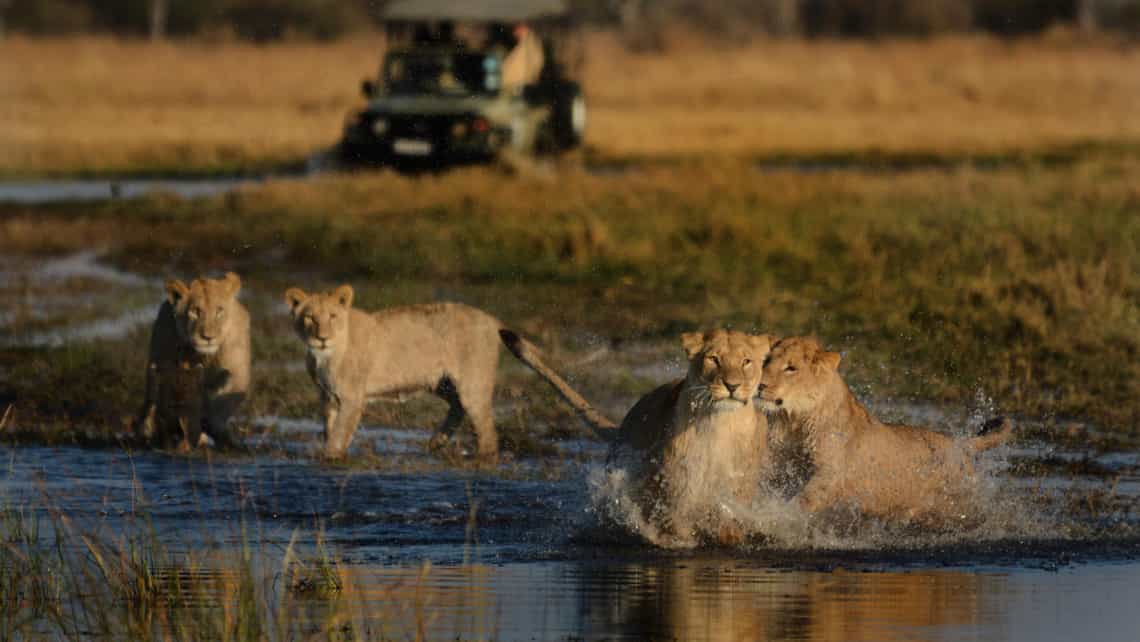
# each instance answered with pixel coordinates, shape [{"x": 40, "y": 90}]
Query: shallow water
[
  {"x": 52, "y": 293},
  {"x": 65, "y": 190},
  {"x": 31, "y": 192},
  {"x": 516, "y": 555},
  {"x": 718, "y": 599}
]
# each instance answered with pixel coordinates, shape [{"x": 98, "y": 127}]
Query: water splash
[{"x": 998, "y": 509}]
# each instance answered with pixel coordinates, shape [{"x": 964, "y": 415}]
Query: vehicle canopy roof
[{"x": 475, "y": 10}]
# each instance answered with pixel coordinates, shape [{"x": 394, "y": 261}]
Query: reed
[{"x": 60, "y": 579}]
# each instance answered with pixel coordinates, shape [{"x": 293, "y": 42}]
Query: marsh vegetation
[{"x": 1016, "y": 283}]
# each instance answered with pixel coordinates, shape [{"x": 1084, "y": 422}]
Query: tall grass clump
[{"x": 59, "y": 579}]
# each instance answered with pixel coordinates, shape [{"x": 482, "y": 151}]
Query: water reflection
[
  {"x": 710, "y": 600},
  {"x": 723, "y": 600}
]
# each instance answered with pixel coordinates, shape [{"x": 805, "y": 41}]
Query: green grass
[{"x": 1019, "y": 282}]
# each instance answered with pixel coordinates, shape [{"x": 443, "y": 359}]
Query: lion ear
[
  {"x": 829, "y": 359},
  {"x": 344, "y": 295},
  {"x": 232, "y": 284},
  {"x": 692, "y": 342},
  {"x": 176, "y": 291},
  {"x": 294, "y": 297},
  {"x": 763, "y": 342}
]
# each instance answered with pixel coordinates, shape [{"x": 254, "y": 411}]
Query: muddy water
[{"x": 516, "y": 554}]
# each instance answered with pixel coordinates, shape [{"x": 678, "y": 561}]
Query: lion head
[
  {"x": 204, "y": 310},
  {"x": 321, "y": 319},
  {"x": 797, "y": 375},
  {"x": 725, "y": 365}
]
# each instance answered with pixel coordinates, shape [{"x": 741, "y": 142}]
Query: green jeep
[{"x": 467, "y": 82}]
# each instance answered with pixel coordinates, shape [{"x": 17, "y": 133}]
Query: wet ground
[
  {"x": 42, "y": 191},
  {"x": 529, "y": 549}
]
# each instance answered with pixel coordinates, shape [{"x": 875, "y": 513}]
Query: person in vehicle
[{"x": 523, "y": 61}]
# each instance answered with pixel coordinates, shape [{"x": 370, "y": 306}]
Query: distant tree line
[
  {"x": 641, "y": 20},
  {"x": 256, "y": 20}
]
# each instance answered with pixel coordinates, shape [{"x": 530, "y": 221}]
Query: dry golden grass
[
  {"x": 96, "y": 104},
  {"x": 960, "y": 95}
]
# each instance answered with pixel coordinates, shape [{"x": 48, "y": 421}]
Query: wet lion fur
[
  {"x": 881, "y": 469},
  {"x": 700, "y": 439}
]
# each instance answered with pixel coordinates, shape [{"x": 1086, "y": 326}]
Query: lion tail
[
  {"x": 526, "y": 352},
  {"x": 994, "y": 433}
]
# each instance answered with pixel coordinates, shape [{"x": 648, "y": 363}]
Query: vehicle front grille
[{"x": 423, "y": 127}]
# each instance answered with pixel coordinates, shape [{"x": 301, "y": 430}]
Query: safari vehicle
[{"x": 470, "y": 81}]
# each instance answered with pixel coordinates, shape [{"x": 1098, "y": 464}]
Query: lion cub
[
  {"x": 449, "y": 349},
  {"x": 860, "y": 462},
  {"x": 701, "y": 438},
  {"x": 199, "y": 363}
]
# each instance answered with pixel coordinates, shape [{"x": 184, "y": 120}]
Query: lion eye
[
  {"x": 713, "y": 359},
  {"x": 746, "y": 363},
  {"x": 789, "y": 368},
  {"x": 220, "y": 313},
  {"x": 193, "y": 313}
]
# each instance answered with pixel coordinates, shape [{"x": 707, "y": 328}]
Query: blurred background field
[
  {"x": 663, "y": 80},
  {"x": 100, "y": 105}
]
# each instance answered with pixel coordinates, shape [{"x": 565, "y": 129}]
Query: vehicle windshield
[{"x": 454, "y": 73}]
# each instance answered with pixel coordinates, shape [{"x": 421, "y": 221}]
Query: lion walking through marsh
[{"x": 447, "y": 349}]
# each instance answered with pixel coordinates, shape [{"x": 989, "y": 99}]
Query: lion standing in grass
[
  {"x": 448, "y": 349},
  {"x": 701, "y": 439},
  {"x": 199, "y": 364},
  {"x": 880, "y": 469}
]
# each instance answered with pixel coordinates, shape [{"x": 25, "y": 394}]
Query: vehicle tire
[{"x": 569, "y": 116}]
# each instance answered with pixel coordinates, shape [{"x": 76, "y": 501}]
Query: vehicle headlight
[{"x": 380, "y": 126}]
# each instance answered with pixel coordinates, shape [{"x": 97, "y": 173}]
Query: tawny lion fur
[
  {"x": 199, "y": 363},
  {"x": 448, "y": 349},
  {"x": 701, "y": 438},
  {"x": 881, "y": 469}
]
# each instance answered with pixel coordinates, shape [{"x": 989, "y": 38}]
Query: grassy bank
[
  {"x": 95, "y": 105},
  {"x": 1017, "y": 283}
]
